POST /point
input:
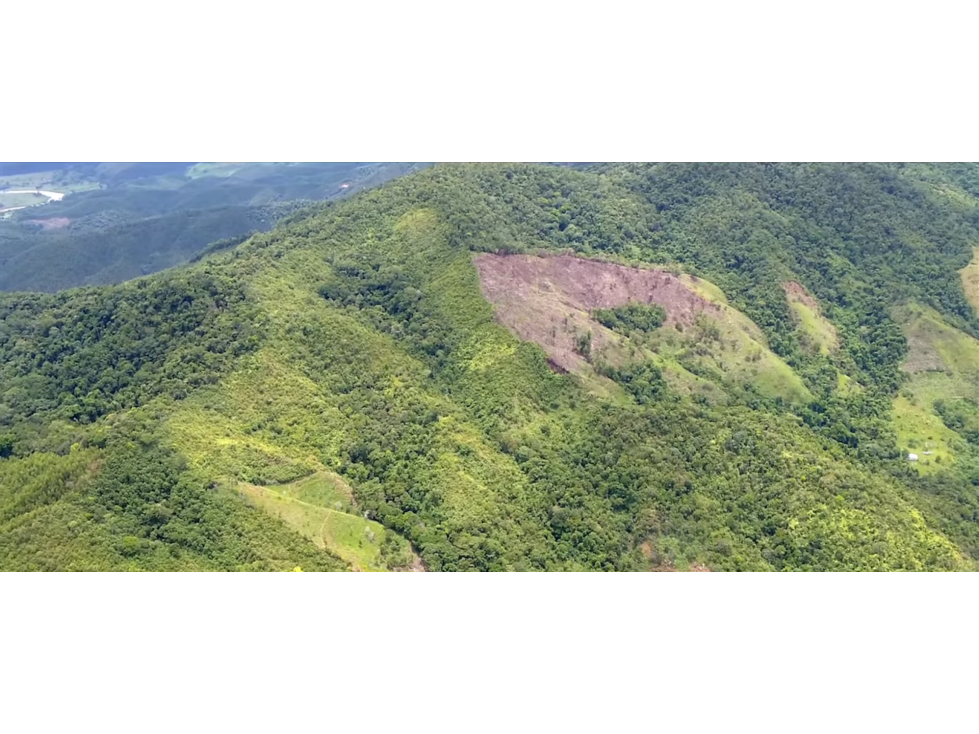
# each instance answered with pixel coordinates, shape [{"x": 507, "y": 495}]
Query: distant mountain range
[{"x": 122, "y": 220}]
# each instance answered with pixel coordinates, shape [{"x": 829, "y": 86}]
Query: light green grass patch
[
  {"x": 264, "y": 423},
  {"x": 323, "y": 489},
  {"x": 355, "y": 539},
  {"x": 920, "y": 431},
  {"x": 682, "y": 380},
  {"x": 970, "y": 280},
  {"x": 845, "y": 385},
  {"x": 943, "y": 363},
  {"x": 817, "y": 330},
  {"x": 221, "y": 170},
  {"x": 933, "y": 345},
  {"x": 26, "y": 180},
  {"x": 727, "y": 350},
  {"x": 704, "y": 288}
]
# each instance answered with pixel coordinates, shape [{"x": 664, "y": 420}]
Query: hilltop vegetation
[{"x": 354, "y": 347}]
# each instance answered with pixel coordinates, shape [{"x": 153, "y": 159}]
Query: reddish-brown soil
[
  {"x": 798, "y": 292},
  {"x": 53, "y": 223},
  {"x": 549, "y": 300}
]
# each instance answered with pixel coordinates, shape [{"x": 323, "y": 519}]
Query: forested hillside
[{"x": 520, "y": 367}]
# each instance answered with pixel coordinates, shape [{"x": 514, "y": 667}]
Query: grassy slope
[
  {"x": 213, "y": 169},
  {"x": 739, "y": 355},
  {"x": 819, "y": 331},
  {"x": 51, "y": 519},
  {"x": 943, "y": 364},
  {"x": 309, "y": 507},
  {"x": 970, "y": 280}
]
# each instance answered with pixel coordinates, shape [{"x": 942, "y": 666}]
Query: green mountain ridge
[{"x": 356, "y": 343}]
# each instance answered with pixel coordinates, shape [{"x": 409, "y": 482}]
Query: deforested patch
[{"x": 549, "y": 300}]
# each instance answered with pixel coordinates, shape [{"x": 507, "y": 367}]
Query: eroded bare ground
[
  {"x": 548, "y": 300},
  {"x": 797, "y": 291}
]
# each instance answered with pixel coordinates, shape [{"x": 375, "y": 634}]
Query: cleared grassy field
[
  {"x": 920, "y": 431},
  {"x": 355, "y": 539},
  {"x": 272, "y": 451}
]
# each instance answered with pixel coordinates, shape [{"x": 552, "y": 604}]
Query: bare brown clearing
[{"x": 549, "y": 300}]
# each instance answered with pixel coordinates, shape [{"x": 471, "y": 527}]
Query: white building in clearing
[{"x": 912, "y": 457}]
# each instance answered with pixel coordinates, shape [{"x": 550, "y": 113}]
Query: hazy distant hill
[{"x": 150, "y": 216}]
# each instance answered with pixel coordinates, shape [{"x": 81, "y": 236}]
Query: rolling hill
[{"x": 520, "y": 367}]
